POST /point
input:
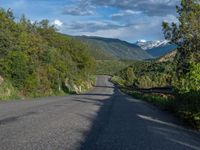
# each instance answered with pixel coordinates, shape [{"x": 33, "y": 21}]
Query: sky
[{"x": 129, "y": 20}]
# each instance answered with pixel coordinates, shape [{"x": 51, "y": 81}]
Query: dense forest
[
  {"x": 36, "y": 60},
  {"x": 181, "y": 74}
]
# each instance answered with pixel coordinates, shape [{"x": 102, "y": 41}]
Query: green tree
[
  {"x": 7, "y": 29},
  {"x": 17, "y": 67},
  {"x": 185, "y": 34},
  {"x": 130, "y": 76}
]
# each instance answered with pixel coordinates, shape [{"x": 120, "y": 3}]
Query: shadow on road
[{"x": 124, "y": 123}]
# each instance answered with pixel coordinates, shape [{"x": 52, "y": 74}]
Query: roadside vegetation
[
  {"x": 181, "y": 74},
  {"x": 35, "y": 60}
]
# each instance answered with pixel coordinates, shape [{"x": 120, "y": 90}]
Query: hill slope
[
  {"x": 115, "y": 48},
  {"x": 168, "y": 57},
  {"x": 161, "y": 50}
]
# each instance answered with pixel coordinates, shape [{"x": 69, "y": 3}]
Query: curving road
[{"x": 103, "y": 119}]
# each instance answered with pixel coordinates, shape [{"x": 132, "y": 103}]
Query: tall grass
[{"x": 7, "y": 91}]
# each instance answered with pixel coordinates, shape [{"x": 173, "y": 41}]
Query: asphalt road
[{"x": 103, "y": 119}]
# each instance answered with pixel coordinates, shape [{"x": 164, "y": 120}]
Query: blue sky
[{"x": 129, "y": 20}]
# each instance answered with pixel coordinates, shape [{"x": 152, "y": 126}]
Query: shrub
[{"x": 190, "y": 81}]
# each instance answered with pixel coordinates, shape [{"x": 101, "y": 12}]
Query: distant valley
[{"x": 115, "y": 49}]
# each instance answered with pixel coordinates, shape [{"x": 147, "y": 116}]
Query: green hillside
[
  {"x": 115, "y": 48},
  {"x": 99, "y": 54},
  {"x": 36, "y": 61}
]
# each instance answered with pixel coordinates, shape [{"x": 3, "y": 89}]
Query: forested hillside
[
  {"x": 36, "y": 61},
  {"x": 115, "y": 48}
]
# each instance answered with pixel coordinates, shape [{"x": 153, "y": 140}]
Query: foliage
[
  {"x": 187, "y": 106},
  {"x": 185, "y": 102},
  {"x": 130, "y": 75},
  {"x": 7, "y": 91},
  {"x": 17, "y": 67},
  {"x": 186, "y": 35},
  {"x": 190, "y": 81},
  {"x": 118, "y": 81},
  {"x": 181, "y": 104},
  {"x": 37, "y": 60},
  {"x": 187, "y": 82},
  {"x": 148, "y": 74},
  {"x": 110, "y": 67},
  {"x": 163, "y": 101}
]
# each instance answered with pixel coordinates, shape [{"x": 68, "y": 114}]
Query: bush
[
  {"x": 7, "y": 91},
  {"x": 118, "y": 80},
  {"x": 190, "y": 81},
  {"x": 148, "y": 74},
  {"x": 17, "y": 68}
]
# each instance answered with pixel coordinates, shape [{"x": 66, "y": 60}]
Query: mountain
[
  {"x": 150, "y": 44},
  {"x": 156, "y": 48},
  {"x": 114, "y": 48}
]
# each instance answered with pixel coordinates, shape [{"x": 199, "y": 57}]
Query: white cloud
[
  {"x": 149, "y": 29},
  {"x": 133, "y": 20},
  {"x": 148, "y": 7},
  {"x": 126, "y": 13},
  {"x": 57, "y": 23},
  {"x": 83, "y": 8},
  {"x": 132, "y": 12},
  {"x": 129, "y": 33},
  {"x": 91, "y": 26}
]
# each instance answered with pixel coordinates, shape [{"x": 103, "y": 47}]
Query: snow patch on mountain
[{"x": 145, "y": 45}]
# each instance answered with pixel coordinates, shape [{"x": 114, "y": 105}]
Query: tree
[
  {"x": 130, "y": 76},
  {"x": 6, "y": 36},
  {"x": 17, "y": 67},
  {"x": 185, "y": 34}
]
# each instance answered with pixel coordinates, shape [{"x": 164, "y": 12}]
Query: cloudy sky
[{"x": 129, "y": 20}]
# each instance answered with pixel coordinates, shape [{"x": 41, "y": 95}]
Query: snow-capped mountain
[
  {"x": 156, "y": 48},
  {"x": 151, "y": 44}
]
